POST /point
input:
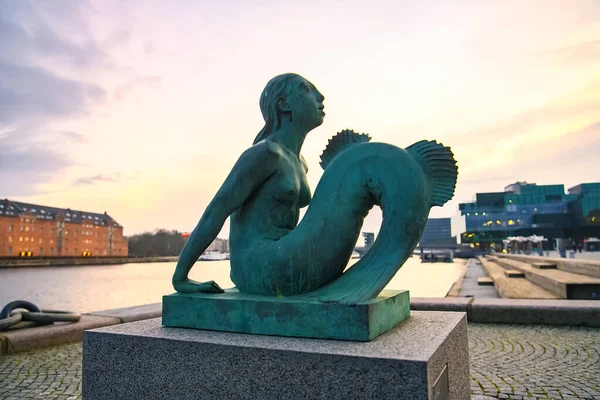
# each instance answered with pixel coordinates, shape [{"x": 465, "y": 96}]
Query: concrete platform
[
  {"x": 485, "y": 281},
  {"x": 566, "y": 285},
  {"x": 424, "y": 357},
  {"x": 529, "y": 311},
  {"x": 50, "y": 335},
  {"x": 470, "y": 288},
  {"x": 132, "y": 314}
]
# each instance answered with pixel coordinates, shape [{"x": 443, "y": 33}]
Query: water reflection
[{"x": 93, "y": 288}]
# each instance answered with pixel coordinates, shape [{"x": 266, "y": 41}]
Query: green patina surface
[
  {"x": 298, "y": 268},
  {"x": 233, "y": 311}
]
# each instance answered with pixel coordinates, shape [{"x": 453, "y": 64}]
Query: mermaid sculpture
[{"x": 273, "y": 255}]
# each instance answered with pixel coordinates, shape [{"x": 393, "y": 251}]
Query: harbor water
[{"x": 100, "y": 287}]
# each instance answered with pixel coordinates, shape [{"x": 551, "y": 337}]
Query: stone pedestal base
[{"x": 424, "y": 357}]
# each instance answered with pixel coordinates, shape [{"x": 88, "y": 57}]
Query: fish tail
[{"x": 439, "y": 166}]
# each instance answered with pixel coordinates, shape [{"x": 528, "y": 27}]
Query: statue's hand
[{"x": 190, "y": 286}]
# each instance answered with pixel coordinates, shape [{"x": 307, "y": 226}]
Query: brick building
[{"x": 50, "y": 231}]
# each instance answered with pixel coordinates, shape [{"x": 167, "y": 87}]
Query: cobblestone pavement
[
  {"x": 507, "y": 362},
  {"x": 534, "y": 362},
  {"x": 53, "y": 373}
]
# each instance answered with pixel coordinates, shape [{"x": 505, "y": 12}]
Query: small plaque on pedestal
[{"x": 233, "y": 311}]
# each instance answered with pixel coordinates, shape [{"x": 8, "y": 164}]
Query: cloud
[
  {"x": 27, "y": 36},
  {"x": 32, "y": 92},
  {"x": 89, "y": 180},
  {"x": 43, "y": 47},
  {"x": 126, "y": 88},
  {"x": 25, "y": 163},
  {"x": 72, "y": 136},
  {"x": 578, "y": 54}
]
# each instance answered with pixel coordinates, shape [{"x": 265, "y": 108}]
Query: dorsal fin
[
  {"x": 340, "y": 142},
  {"x": 439, "y": 165}
]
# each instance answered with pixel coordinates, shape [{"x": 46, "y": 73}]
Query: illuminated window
[
  {"x": 27, "y": 220},
  {"x": 511, "y": 222},
  {"x": 26, "y": 229},
  {"x": 20, "y": 238},
  {"x": 10, "y": 239},
  {"x": 27, "y": 238}
]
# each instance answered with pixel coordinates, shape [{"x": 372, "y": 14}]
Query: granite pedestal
[{"x": 424, "y": 357}]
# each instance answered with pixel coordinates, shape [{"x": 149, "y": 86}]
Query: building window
[
  {"x": 27, "y": 220},
  {"x": 26, "y": 229},
  {"x": 20, "y": 238},
  {"x": 9, "y": 250},
  {"x": 11, "y": 228},
  {"x": 27, "y": 238},
  {"x": 21, "y": 228},
  {"x": 51, "y": 241},
  {"x": 41, "y": 240},
  {"x": 32, "y": 228},
  {"x": 41, "y": 230},
  {"x": 41, "y": 251},
  {"x": 10, "y": 239}
]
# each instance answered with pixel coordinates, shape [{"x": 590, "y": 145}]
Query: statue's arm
[{"x": 253, "y": 167}]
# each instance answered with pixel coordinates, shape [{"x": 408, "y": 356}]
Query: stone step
[
  {"x": 510, "y": 288},
  {"x": 579, "y": 266},
  {"x": 566, "y": 285},
  {"x": 485, "y": 281},
  {"x": 513, "y": 273},
  {"x": 542, "y": 265}
]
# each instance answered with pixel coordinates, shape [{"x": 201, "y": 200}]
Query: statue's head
[{"x": 290, "y": 97}]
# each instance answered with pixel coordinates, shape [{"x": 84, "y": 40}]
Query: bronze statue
[{"x": 273, "y": 255}]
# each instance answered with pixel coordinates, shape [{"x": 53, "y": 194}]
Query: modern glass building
[
  {"x": 525, "y": 209},
  {"x": 437, "y": 234}
]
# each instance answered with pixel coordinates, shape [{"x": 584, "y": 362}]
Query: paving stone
[{"x": 507, "y": 362}]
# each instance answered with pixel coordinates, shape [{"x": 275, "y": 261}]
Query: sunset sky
[{"x": 141, "y": 108}]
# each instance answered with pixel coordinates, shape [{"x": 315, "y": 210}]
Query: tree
[{"x": 159, "y": 243}]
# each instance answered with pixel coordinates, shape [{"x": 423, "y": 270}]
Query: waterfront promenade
[{"x": 507, "y": 362}]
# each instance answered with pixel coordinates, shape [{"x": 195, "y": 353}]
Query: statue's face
[{"x": 305, "y": 103}]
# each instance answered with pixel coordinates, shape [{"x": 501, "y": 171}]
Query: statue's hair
[{"x": 278, "y": 88}]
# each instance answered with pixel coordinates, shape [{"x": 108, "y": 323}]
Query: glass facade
[
  {"x": 437, "y": 233},
  {"x": 524, "y": 209}
]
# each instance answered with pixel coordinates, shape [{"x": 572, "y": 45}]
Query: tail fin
[
  {"x": 439, "y": 165},
  {"x": 340, "y": 142}
]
